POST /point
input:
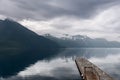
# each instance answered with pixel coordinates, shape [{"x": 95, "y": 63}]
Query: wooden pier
[{"x": 89, "y": 71}]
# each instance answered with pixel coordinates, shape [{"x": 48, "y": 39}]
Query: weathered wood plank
[{"x": 89, "y": 71}]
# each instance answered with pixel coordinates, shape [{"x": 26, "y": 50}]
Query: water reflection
[
  {"x": 62, "y": 66},
  {"x": 109, "y": 63},
  {"x": 57, "y": 68}
]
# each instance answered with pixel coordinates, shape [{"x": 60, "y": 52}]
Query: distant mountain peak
[{"x": 84, "y": 41}]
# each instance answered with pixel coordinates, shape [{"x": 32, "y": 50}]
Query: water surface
[{"x": 62, "y": 65}]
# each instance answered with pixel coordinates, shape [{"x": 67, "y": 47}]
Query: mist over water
[{"x": 62, "y": 65}]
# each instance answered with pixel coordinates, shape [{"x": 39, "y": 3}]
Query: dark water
[{"x": 62, "y": 66}]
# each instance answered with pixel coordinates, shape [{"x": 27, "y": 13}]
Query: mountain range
[
  {"x": 80, "y": 41},
  {"x": 21, "y": 47}
]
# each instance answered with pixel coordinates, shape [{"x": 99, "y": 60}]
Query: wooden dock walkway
[{"x": 89, "y": 71}]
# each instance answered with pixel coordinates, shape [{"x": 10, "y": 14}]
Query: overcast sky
[{"x": 94, "y": 18}]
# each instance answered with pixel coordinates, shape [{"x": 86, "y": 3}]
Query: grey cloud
[
  {"x": 61, "y": 26},
  {"x": 37, "y": 77},
  {"x": 34, "y": 77},
  {"x": 47, "y": 9},
  {"x": 59, "y": 74},
  {"x": 67, "y": 73}
]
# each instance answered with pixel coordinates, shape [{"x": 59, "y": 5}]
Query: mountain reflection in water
[{"x": 62, "y": 66}]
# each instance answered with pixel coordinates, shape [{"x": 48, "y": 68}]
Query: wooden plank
[
  {"x": 89, "y": 74},
  {"x": 89, "y": 71}
]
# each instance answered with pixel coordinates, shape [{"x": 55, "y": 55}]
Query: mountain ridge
[
  {"x": 20, "y": 47},
  {"x": 83, "y": 41}
]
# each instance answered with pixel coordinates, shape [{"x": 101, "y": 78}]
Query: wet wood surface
[{"x": 89, "y": 71}]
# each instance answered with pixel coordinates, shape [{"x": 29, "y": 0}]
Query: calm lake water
[{"x": 62, "y": 65}]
